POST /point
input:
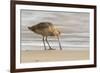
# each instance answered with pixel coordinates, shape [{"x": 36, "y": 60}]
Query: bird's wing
[{"x": 43, "y": 25}]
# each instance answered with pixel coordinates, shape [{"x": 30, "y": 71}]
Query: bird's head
[{"x": 57, "y": 32}]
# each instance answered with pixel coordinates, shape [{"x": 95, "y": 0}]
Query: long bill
[
  {"x": 59, "y": 43},
  {"x": 44, "y": 43}
]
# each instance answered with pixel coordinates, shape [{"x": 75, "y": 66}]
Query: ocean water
[{"x": 74, "y": 29}]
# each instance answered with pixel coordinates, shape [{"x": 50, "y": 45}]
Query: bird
[{"x": 46, "y": 29}]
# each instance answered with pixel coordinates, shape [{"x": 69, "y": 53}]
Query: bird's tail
[
  {"x": 32, "y": 28},
  {"x": 29, "y": 28}
]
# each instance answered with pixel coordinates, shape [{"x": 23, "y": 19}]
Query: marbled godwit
[{"x": 46, "y": 29}]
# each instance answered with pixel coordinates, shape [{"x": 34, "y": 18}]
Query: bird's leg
[
  {"x": 48, "y": 44},
  {"x": 44, "y": 43},
  {"x": 59, "y": 43}
]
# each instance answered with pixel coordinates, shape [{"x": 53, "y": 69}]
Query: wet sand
[{"x": 53, "y": 55}]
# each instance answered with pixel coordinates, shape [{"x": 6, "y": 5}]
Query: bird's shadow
[{"x": 51, "y": 49}]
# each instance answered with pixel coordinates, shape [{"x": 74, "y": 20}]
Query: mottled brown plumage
[{"x": 46, "y": 29}]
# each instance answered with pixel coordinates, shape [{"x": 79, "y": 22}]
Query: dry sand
[{"x": 53, "y": 55}]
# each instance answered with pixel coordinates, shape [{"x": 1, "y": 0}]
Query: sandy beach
[{"x": 53, "y": 55}]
